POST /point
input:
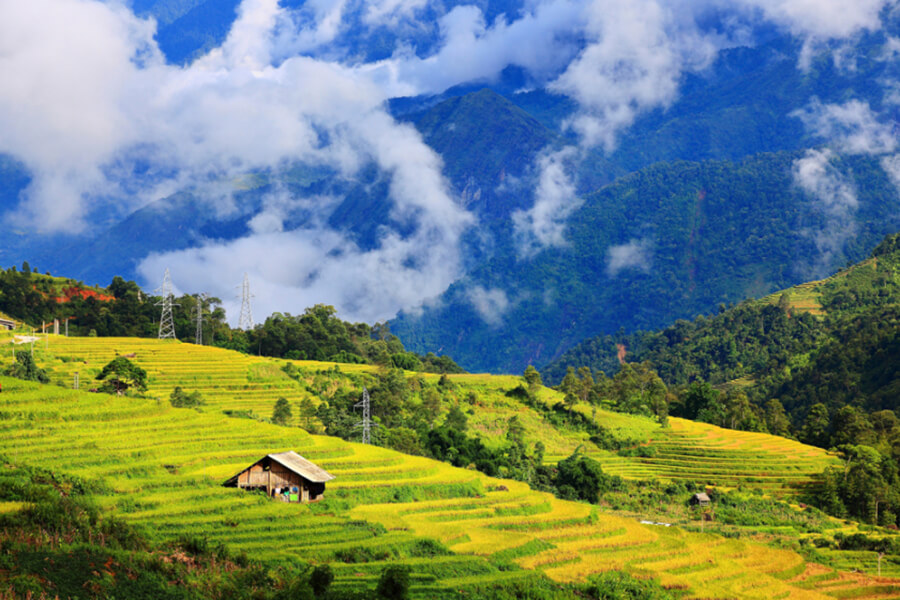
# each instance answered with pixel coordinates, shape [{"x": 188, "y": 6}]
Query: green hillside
[
  {"x": 164, "y": 468},
  {"x": 832, "y": 341},
  {"x": 236, "y": 382}
]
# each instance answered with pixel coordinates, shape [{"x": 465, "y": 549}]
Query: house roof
[
  {"x": 295, "y": 463},
  {"x": 302, "y": 467},
  {"x": 702, "y": 497}
]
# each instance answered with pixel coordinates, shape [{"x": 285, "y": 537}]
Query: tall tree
[{"x": 120, "y": 375}]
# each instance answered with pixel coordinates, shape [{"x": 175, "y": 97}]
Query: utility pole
[
  {"x": 366, "y": 423},
  {"x": 166, "y": 323},
  {"x": 245, "y": 321},
  {"x": 76, "y": 380}
]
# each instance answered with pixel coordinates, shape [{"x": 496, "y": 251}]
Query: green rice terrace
[
  {"x": 165, "y": 467},
  {"x": 686, "y": 450}
]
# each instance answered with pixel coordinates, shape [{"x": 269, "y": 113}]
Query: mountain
[
  {"x": 719, "y": 159},
  {"x": 834, "y": 341},
  {"x": 690, "y": 236}
]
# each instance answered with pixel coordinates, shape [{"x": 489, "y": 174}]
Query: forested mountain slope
[
  {"x": 690, "y": 235},
  {"x": 833, "y": 342}
]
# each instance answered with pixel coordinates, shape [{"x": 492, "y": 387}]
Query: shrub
[
  {"x": 394, "y": 583},
  {"x": 181, "y": 399},
  {"x": 320, "y": 579}
]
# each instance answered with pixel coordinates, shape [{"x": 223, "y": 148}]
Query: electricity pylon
[
  {"x": 245, "y": 321},
  {"x": 198, "y": 337},
  {"x": 366, "y": 423},
  {"x": 166, "y": 323}
]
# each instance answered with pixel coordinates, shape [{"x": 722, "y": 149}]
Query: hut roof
[
  {"x": 294, "y": 462},
  {"x": 702, "y": 497},
  {"x": 302, "y": 467}
]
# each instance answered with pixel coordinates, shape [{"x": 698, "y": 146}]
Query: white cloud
[
  {"x": 635, "y": 254},
  {"x": 637, "y": 51},
  {"x": 824, "y": 19},
  {"x": 491, "y": 304},
  {"x": 891, "y": 166},
  {"x": 852, "y": 127},
  {"x": 555, "y": 198},
  {"x": 834, "y": 198},
  {"x": 541, "y": 41}
]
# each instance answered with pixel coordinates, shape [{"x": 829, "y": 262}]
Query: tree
[
  {"x": 181, "y": 399},
  {"x": 281, "y": 414},
  {"x": 816, "y": 427},
  {"x": 850, "y": 425},
  {"x": 777, "y": 421},
  {"x": 515, "y": 431},
  {"x": 431, "y": 405},
  {"x": 120, "y": 374},
  {"x": 586, "y": 383},
  {"x": 320, "y": 579},
  {"x": 697, "y": 397},
  {"x": 570, "y": 383},
  {"x": 532, "y": 378},
  {"x": 25, "y": 368},
  {"x": 582, "y": 478},
  {"x": 307, "y": 413},
  {"x": 639, "y": 390},
  {"x": 456, "y": 419},
  {"x": 394, "y": 583}
]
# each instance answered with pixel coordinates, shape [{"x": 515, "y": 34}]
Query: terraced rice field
[
  {"x": 691, "y": 451},
  {"x": 686, "y": 450},
  {"x": 165, "y": 467}
]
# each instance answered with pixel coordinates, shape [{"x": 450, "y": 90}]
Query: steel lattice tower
[
  {"x": 366, "y": 423},
  {"x": 198, "y": 337},
  {"x": 166, "y": 323},
  {"x": 245, "y": 321}
]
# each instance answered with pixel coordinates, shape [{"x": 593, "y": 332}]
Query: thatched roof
[
  {"x": 295, "y": 463},
  {"x": 701, "y": 497}
]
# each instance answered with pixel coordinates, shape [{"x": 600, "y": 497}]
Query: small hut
[
  {"x": 700, "y": 499},
  {"x": 286, "y": 475},
  {"x": 6, "y": 323}
]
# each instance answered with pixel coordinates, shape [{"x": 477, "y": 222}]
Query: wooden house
[
  {"x": 286, "y": 475},
  {"x": 700, "y": 499}
]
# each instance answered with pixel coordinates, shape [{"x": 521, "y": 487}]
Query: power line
[
  {"x": 366, "y": 423},
  {"x": 245, "y": 321},
  {"x": 166, "y": 322}
]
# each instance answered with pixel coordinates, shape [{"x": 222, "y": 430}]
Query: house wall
[{"x": 278, "y": 476}]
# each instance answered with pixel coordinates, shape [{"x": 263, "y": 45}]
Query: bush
[
  {"x": 25, "y": 368},
  {"x": 320, "y": 579},
  {"x": 394, "y": 583},
  {"x": 181, "y": 399},
  {"x": 616, "y": 585}
]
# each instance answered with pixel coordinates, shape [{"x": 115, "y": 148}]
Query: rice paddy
[
  {"x": 231, "y": 381},
  {"x": 164, "y": 467}
]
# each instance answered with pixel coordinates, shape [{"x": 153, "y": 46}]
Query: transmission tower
[
  {"x": 366, "y": 423},
  {"x": 245, "y": 321},
  {"x": 166, "y": 323},
  {"x": 198, "y": 316}
]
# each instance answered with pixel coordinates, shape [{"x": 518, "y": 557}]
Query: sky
[{"x": 105, "y": 124}]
